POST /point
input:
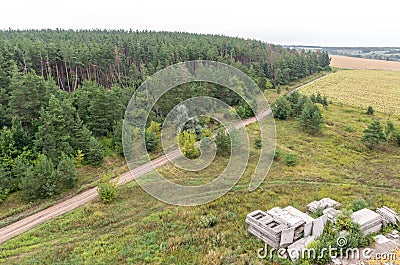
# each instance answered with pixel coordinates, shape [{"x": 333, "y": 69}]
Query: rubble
[
  {"x": 281, "y": 227},
  {"x": 369, "y": 221},
  {"x": 331, "y": 213},
  {"x": 305, "y": 217},
  {"x": 323, "y": 204},
  {"x": 388, "y": 216},
  {"x": 294, "y": 230}
]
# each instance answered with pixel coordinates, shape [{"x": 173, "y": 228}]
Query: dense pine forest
[{"x": 63, "y": 93}]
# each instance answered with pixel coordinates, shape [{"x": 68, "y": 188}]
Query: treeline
[
  {"x": 63, "y": 93},
  {"x": 126, "y": 58}
]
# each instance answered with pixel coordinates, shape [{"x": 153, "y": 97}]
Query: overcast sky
[{"x": 301, "y": 22}]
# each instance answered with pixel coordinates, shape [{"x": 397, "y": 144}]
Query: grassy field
[
  {"x": 363, "y": 64},
  {"x": 15, "y": 207},
  {"x": 363, "y": 88},
  {"x": 137, "y": 229}
]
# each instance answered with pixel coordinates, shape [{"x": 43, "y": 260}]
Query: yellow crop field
[
  {"x": 362, "y": 88},
  {"x": 363, "y": 64}
]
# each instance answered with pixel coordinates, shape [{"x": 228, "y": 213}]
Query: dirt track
[{"x": 82, "y": 198}]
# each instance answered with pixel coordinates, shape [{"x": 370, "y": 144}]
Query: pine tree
[
  {"x": 117, "y": 137},
  {"x": 94, "y": 155},
  {"x": 282, "y": 109},
  {"x": 53, "y": 136},
  {"x": 29, "y": 94},
  {"x": 41, "y": 180},
  {"x": 311, "y": 118},
  {"x": 67, "y": 171},
  {"x": 374, "y": 134}
]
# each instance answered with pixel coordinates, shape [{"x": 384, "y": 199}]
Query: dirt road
[{"x": 82, "y": 198}]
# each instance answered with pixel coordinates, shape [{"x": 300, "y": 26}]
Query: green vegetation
[
  {"x": 290, "y": 159},
  {"x": 370, "y": 110},
  {"x": 187, "y": 143},
  {"x": 136, "y": 228},
  {"x": 64, "y": 93},
  {"x": 107, "y": 190},
  {"x": 374, "y": 134},
  {"x": 63, "y": 96}
]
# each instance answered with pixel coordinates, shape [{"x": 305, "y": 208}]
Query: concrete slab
[
  {"x": 287, "y": 236},
  {"x": 318, "y": 227},
  {"x": 365, "y": 216},
  {"x": 381, "y": 239}
]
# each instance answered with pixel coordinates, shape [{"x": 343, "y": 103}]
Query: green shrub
[
  {"x": 370, "y": 110},
  {"x": 223, "y": 142},
  {"x": 278, "y": 154},
  {"x": 344, "y": 222},
  {"x": 3, "y": 194},
  {"x": 290, "y": 159},
  {"x": 207, "y": 221},
  {"x": 258, "y": 143},
  {"x": 358, "y": 204},
  {"x": 107, "y": 190}
]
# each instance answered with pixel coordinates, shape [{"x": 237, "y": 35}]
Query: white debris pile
[
  {"x": 264, "y": 227},
  {"x": 308, "y": 225},
  {"x": 331, "y": 213},
  {"x": 281, "y": 227},
  {"x": 323, "y": 204},
  {"x": 369, "y": 221},
  {"x": 389, "y": 216},
  {"x": 294, "y": 222}
]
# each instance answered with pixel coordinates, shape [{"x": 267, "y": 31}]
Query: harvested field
[
  {"x": 363, "y": 88},
  {"x": 363, "y": 64}
]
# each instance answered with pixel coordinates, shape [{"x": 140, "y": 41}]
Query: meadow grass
[{"x": 138, "y": 229}]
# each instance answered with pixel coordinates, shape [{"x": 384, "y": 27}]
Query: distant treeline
[
  {"x": 377, "y": 53},
  {"x": 127, "y": 57}
]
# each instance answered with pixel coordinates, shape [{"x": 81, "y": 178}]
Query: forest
[{"x": 63, "y": 92}]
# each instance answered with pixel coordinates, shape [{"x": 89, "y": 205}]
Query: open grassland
[
  {"x": 137, "y": 229},
  {"x": 363, "y": 64},
  {"x": 363, "y": 88}
]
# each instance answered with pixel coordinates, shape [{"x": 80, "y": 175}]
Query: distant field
[
  {"x": 363, "y": 64},
  {"x": 363, "y": 88}
]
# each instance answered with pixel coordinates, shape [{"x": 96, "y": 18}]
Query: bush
[
  {"x": 3, "y": 194},
  {"x": 278, "y": 154},
  {"x": 187, "y": 143},
  {"x": 258, "y": 143},
  {"x": 290, "y": 159},
  {"x": 223, "y": 142},
  {"x": 244, "y": 111},
  {"x": 344, "y": 222},
  {"x": 107, "y": 190},
  {"x": 207, "y": 221},
  {"x": 67, "y": 171},
  {"x": 370, "y": 110},
  {"x": 358, "y": 204}
]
